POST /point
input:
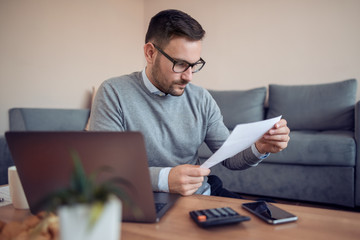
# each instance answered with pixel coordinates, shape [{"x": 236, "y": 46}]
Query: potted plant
[{"x": 89, "y": 210}]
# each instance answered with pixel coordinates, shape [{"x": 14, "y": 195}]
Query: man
[{"x": 175, "y": 116}]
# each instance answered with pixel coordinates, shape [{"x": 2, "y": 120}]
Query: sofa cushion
[
  {"x": 315, "y": 107},
  {"x": 43, "y": 119},
  {"x": 240, "y": 106},
  {"x": 327, "y": 148},
  {"x": 324, "y": 184}
]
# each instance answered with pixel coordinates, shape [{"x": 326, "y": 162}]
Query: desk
[{"x": 313, "y": 223}]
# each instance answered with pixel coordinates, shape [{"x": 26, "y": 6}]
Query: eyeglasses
[{"x": 180, "y": 66}]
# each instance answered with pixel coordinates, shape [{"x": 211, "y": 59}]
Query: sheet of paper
[
  {"x": 5, "y": 195},
  {"x": 242, "y": 137}
]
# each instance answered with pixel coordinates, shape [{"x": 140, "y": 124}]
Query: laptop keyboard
[{"x": 159, "y": 206}]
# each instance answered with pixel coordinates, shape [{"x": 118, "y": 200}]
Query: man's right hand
[{"x": 186, "y": 179}]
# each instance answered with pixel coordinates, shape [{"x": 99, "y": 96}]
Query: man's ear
[{"x": 149, "y": 52}]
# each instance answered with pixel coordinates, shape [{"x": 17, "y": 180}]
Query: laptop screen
[{"x": 44, "y": 164}]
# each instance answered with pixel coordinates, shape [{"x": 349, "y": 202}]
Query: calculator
[{"x": 217, "y": 217}]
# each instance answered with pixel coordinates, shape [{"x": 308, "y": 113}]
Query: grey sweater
[{"x": 173, "y": 126}]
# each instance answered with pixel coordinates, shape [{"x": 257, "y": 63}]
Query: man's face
[{"x": 162, "y": 75}]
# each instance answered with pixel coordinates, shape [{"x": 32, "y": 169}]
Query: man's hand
[
  {"x": 275, "y": 140},
  {"x": 186, "y": 179}
]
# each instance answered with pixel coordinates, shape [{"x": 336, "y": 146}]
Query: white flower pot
[{"x": 75, "y": 222}]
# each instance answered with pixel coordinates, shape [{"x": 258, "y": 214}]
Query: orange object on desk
[{"x": 201, "y": 218}]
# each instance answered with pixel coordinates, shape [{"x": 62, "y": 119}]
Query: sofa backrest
[
  {"x": 316, "y": 107},
  {"x": 44, "y": 119},
  {"x": 240, "y": 106}
]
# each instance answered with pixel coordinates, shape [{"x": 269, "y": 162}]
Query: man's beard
[{"x": 157, "y": 76}]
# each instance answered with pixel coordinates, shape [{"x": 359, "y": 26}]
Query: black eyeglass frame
[{"x": 201, "y": 61}]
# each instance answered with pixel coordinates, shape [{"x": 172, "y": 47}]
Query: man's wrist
[
  {"x": 258, "y": 149},
  {"x": 257, "y": 153}
]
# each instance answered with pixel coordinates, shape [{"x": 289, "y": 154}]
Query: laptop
[{"x": 44, "y": 165}]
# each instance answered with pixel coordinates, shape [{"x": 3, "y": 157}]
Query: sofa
[{"x": 321, "y": 163}]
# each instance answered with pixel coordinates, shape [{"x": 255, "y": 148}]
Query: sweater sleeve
[{"x": 242, "y": 160}]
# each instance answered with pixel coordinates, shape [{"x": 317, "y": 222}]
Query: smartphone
[{"x": 269, "y": 213}]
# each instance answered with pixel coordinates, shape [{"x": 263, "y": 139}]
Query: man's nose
[{"x": 187, "y": 75}]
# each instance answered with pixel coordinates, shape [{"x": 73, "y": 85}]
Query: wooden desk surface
[{"x": 313, "y": 223}]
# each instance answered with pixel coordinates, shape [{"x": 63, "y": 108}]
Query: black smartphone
[{"x": 269, "y": 213}]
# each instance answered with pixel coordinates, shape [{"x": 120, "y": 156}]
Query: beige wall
[
  {"x": 251, "y": 43},
  {"x": 52, "y": 52}
]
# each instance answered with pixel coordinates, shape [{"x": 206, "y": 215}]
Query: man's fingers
[
  {"x": 281, "y": 123},
  {"x": 190, "y": 189},
  {"x": 186, "y": 179},
  {"x": 196, "y": 171},
  {"x": 195, "y": 180},
  {"x": 187, "y": 189},
  {"x": 279, "y": 131},
  {"x": 277, "y": 138}
]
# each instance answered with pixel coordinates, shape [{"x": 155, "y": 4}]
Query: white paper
[{"x": 242, "y": 137}]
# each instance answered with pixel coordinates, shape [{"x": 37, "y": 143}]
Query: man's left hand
[{"x": 275, "y": 140}]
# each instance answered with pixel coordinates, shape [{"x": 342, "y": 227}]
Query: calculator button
[
  {"x": 222, "y": 212},
  {"x": 230, "y": 211},
  {"x": 201, "y": 218},
  {"x": 207, "y": 213},
  {"x": 215, "y": 213}
]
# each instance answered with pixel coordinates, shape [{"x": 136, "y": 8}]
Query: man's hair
[{"x": 173, "y": 23}]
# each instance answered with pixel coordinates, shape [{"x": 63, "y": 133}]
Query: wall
[
  {"x": 252, "y": 43},
  {"x": 52, "y": 52}
]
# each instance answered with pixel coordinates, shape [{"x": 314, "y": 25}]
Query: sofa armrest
[
  {"x": 5, "y": 161},
  {"x": 357, "y": 164}
]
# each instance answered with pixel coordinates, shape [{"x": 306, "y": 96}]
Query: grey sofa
[{"x": 321, "y": 163}]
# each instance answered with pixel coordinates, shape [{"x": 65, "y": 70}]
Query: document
[{"x": 242, "y": 137}]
